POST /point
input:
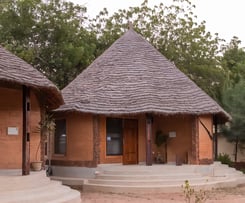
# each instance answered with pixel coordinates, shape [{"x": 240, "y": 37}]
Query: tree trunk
[{"x": 236, "y": 146}]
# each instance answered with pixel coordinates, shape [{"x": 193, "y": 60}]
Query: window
[
  {"x": 113, "y": 136},
  {"x": 60, "y": 137}
]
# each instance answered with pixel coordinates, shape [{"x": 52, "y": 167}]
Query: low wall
[
  {"x": 229, "y": 148},
  {"x": 75, "y": 172}
]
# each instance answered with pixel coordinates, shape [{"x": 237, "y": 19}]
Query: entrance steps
[
  {"x": 162, "y": 178},
  {"x": 35, "y": 187}
]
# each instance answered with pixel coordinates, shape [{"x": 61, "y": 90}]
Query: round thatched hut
[
  {"x": 128, "y": 96},
  {"x": 25, "y": 95}
]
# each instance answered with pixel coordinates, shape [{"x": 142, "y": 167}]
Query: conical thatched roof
[
  {"x": 132, "y": 77},
  {"x": 15, "y": 71}
]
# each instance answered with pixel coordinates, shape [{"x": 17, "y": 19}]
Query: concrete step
[
  {"x": 127, "y": 172},
  {"x": 166, "y": 181},
  {"x": 89, "y": 187},
  {"x": 145, "y": 176},
  {"x": 54, "y": 195},
  {"x": 35, "y": 188},
  {"x": 162, "y": 178},
  {"x": 227, "y": 172},
  {"x": 40, "y": 189},
  {"x": 144, "y": 170},
  {"x": 34, "y": 180},
  {"x": 165, "y": 188},
  {"x": 12, "y": 182}
]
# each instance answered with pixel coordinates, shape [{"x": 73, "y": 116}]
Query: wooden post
[
  {"x": 149, "y": 120},
  {"x": 215, "y": 138},
  {"x": 236, "y": 146},
  {"x": 26, "y": 131},
  {"x": 195, "y": 141},
  {"x": 96, "y": 137},
  {"x": 49, "y": 153},
  {"x": 43, "y": 141}
]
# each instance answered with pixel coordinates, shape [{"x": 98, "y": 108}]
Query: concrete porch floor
[
  {"x": 35, "y": 187},
  {"x": 160, "y": 178}
]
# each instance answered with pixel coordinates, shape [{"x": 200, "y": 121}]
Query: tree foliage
[
  {"x": 233, "y": 98},
  {"x": 50, "y": 35},
  {"x": 56, "y": 37},
  {"x": 233, "y": 61},
  {"x": 234, "y": 103},
  {"x": 174, "y": 31}
]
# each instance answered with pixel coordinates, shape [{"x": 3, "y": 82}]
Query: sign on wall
[
  {"x": 172, "y": 134},
  {"x": 13, "y": 131}
]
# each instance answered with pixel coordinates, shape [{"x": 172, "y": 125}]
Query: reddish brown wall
[
  {"x": 205, "y": 143},
  {"x": 11, "y": 116},
  {"x": 177, "y": 147},
  {"x": 80, "y": 137},
  {"x": 79, "y": 129}
]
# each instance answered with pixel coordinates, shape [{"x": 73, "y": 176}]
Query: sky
[{"x": 225, "y": 17}]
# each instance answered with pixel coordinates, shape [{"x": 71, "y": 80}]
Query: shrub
[
  {"x": 224, "y": 158},
  {"x": 193, "y": 196}
]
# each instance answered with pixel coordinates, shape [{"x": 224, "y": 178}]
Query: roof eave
[{"x": 223, "y": 117}]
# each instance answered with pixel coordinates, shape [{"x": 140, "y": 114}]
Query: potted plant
[
  {"x": 161, "y": 139},
  {"x": 46, "y": 127},
  {"x": 36, "y": 165}
]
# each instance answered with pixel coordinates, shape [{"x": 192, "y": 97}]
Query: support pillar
[
  {"x": 96, "y": 137},
  {"x": 26, "y": 131},
  {"x": 195, "y": 141},
  {"x": 215, "y": 138},
  {"x": 149, "y": 121}
]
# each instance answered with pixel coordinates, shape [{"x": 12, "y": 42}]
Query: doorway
[{"x": 130, "y": 141}]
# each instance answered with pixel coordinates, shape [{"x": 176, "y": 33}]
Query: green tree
[
  {"x": 234, "y": 103},
  {"x": 233, "y": 61},
  {"x": 17, "y": 19},
  {"x": 174, "y": 31},
  {"x": 50, "y": 35},
  {"x": 233, "y": 99}
]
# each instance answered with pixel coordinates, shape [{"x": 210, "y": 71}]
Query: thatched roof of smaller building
[
  {"x": 132, "y": 77},
  {"x": 14, "y": 71}
]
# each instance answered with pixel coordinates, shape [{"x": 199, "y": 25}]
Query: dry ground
[{"x": 226, "y": 195}]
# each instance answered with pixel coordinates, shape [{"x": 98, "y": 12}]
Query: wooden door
[{"x": 130, "y": 141}]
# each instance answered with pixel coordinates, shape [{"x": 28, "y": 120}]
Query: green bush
[
  {"x": 242, "y": 170},
  {"x": 224, "y": 158}
]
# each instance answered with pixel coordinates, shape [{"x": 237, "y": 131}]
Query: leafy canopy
[
  {"x": 174, "y": 31},
  {"x": 234, "y": 103},
  {"x": 233, "y": 61},
  {"x": 58, "y": 39},
  {"x": 50, "y": 35},
  {"x": 233, "y": 99}
]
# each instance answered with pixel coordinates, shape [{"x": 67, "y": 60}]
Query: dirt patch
[{"x": 223, "y": 195}]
